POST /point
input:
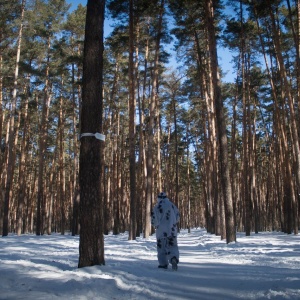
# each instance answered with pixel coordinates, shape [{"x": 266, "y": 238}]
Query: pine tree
[{"x": 91, "y": 246}]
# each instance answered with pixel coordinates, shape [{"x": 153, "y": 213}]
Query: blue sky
[
  {"x": 224, "y": 55},
  {"x": 76, "y": 2}
]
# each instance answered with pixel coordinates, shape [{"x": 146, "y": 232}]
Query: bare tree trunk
[
  {"x": 160, "y": 187},
  {"x": 139, "y": 164},
  {"x": 91, "y": 245},
  {"x": 298, "y": 57},
  {"x": 2, "y": 145},
  {"x": 141, "y": 158},
  {"x": 116, "y": 158},
  {"x": 296, "y": 35},
  {"x": 176, "y": 152},
  {"x": 288, "y": 96},
  {"x": 41, "y": 201},
  {"x": 11, "y": 149},
  {"x": 253, "y": 174},
  {"x": 132, "y": 104},
  {"x": 22, "y": 168},
  {"x": 291, "y": 115},
  {"x": 62, "y": 179},
  {"x": 52, "y": 189},
  {"x": 188, "y": 183},
  {"x": 211, "y": 161},
  {"x": 221, "y": 124},
  {"x": 143, "y": 139},
  {"x": 151, "y": 128},
  {"x": 76, "y": 197},
  {"x": 113, "y": 153}
]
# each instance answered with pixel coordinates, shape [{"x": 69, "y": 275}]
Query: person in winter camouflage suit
[{"x": 164, "y": 218}]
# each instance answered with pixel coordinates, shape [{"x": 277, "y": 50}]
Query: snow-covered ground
[{"x": 262, "y": 266}]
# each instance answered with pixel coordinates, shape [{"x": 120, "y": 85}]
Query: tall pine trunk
[
  {"x": 151, "y": 126},
  {"x": 11, "y": 138},
  {"x": 132, "y": 228},
  {"x": 22, "y": 167},
  {"x": 91, "y": 245},
  {"x": 287, "y": 96},
  {"x": 41, "y": 201},
  {"x": 61, "y": 162},
  {"x": 221, "y": 125}
]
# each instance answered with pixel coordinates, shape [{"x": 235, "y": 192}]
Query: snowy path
[{"x": 263, "y": 266}]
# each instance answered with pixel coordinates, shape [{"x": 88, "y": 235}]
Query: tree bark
[
  {"x": 11, "y": 148},
  {"x": 91, "y": 245},
  {"x": 132, "y": 165},
  {"x": 22, "y": 168},
  {"x": 41, "y": 201},
  {"x": 151, "y": 126},
  {"x": 288, "y": 96},
  {"x": 61, "y": 167},
  {"x": 221, "y": 125}
]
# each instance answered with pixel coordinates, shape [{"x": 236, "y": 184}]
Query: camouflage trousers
[{"x": 167, "y": 248}]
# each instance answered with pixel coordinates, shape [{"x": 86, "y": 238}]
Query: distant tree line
[{"x": 226, "y": 153}]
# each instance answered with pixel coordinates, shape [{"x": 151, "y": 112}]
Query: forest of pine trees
[{"x": 226, "y": 153}]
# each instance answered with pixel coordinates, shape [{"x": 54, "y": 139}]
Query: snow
[{"x": 261, "y": 266}]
